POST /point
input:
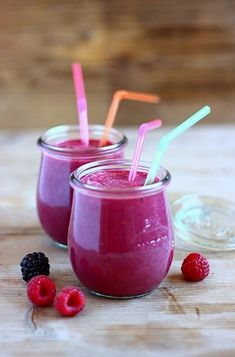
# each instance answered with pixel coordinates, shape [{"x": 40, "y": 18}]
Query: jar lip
[
  {"x": 60, "y": 129},
  {"x": 75, "y": 177}
]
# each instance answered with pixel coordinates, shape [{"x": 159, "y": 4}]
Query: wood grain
[
  {"x": 179, "y": 318},
  {"x": 182, "y": 49}
]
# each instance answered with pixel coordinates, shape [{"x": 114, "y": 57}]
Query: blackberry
[{"x": 34, "y": 264}]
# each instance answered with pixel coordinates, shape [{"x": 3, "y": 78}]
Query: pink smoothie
[
  {"x": 120, "y": 241},
  {"x": 54, "y": 195}
]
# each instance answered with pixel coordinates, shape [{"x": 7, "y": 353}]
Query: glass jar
[
  {"x": 54, "y": 195},
  {"x": 120, "y": 240}
]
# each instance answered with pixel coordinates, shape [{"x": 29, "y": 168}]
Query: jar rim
[
  {"x": 75, "y": 177},
  {"x": 60, "y": 129}
]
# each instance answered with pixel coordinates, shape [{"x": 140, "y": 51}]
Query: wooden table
[{"x": 178, "y": 318}]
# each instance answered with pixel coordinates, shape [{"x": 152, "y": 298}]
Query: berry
[
  {"x": 195, "y": 267},
  {"x": 70, "y": 301},
  {"x": 41, "y": 290},
  {"x": 34, "y": 264}
]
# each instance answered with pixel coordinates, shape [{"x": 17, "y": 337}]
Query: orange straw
[{"x": 117, "y": 97}]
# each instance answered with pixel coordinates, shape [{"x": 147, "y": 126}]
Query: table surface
[{"x": 178, "y": 318}]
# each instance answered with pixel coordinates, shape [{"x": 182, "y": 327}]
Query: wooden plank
[
  {"x": 183, "y": 50},
  {"x": 26, "y": 111}
]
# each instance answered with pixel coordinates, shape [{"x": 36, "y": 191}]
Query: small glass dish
[{"x": 208, "y": 222}]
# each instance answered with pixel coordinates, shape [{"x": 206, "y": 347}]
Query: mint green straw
[{"x": 165, "y": 141}]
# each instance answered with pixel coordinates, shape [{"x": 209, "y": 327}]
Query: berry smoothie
[
  {"x": 120, "y": 234},
  {"x": 62, "y": 154}
]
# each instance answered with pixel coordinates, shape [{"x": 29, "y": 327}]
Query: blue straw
[{"x": 168, "y": 138}]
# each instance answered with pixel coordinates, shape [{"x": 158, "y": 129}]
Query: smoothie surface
[
  {"x": 77, "y": 144},
  {"x": 113, "y": 179}
]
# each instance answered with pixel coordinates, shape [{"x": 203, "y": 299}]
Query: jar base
[{"x": 119, "y": 297}]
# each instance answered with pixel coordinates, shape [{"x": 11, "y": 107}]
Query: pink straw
[
  {"x": 142, "y": 131},
  {"x": 81, "y": 102}
]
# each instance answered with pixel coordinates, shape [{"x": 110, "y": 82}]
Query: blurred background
[{"x": 183, "y": 50}]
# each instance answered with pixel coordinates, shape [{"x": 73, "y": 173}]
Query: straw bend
[
  {"x": 143, "y": 97},
  {"x": 82, "y": 105},
  {"x": 142, "y": 131},
  {"x": 167, "y": 139},
  {"x": 117, "y": 97}
]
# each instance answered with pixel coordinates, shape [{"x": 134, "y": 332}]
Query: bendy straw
[
  {"x": 167, "y": 139},
  {"x": 81, "y": 102},
  {"x": 142, "y": 131},
  {"x": 117, "y": 97}
]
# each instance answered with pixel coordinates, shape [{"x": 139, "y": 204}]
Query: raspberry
[
  {"x": 34, "y": 264},
  {"x": 70, "y": 301},
  {"x": 195, "y": 267},
  {"x": 41, "y": 290}
]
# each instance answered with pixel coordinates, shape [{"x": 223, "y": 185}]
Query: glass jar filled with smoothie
[
  {"x": 120, "y": 235},
  {"x": 62, "y": 153}
]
